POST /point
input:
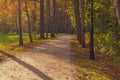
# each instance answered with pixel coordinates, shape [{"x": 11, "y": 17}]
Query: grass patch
[
  {"x": 100, "y": 69},
  {"x": 9, "y": 43}
]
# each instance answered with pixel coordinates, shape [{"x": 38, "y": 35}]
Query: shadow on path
[
  {"x": 28, "y": 66},
  {"x": 59, "y": 48}
]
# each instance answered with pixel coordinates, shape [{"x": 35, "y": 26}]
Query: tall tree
[
  {"x": 77, "y": 17},
  {"x": 117, "y": 12},
  {"x": 34, "y": 18},
  {"x": 92, "y": 57},
  {"x": 117, "y": 9},
  {"x": 29, "y": 25},
  {"x": 82, "y": 23},
  {"x": 54, "y": 17},
  {"x": 19, "y": 23},
  {"x": 42, "y": 19},
  {"x": 48, "y": 17}
]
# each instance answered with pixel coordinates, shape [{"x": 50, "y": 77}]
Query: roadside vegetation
[
  {"x": 103, "y": 68},
  {"x": 9, "y": 43}
]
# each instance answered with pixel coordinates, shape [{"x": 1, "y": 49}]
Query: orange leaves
[
  {"x": 3, "y": 13},
  {"x": 12, "y": 8},
  {"x": 2, "y": 10},
  {"x": 69, "y": 9},
  {"x": 8, "y": 8}
]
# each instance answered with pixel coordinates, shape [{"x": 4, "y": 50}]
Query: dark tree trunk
[
  {"x": 117, "y": 10},
  {"x": 42, "y": 19},
  {"x": 19, "y": 23},
  {"x": 77, "y": 17},
  {"x": 92, "y": 57},
  {"x": 54, "y": 17},
  {"x": 34, "y": 19},
  {"x": 48, "y": 17},
  {"x": 17, "y": 31},
  {"x": 82, "y": 24},
  {"x": 29, "y": 25}
]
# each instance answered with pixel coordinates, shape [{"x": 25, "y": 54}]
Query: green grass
[
  {"x": 14, "y": 38},
  {"x": 9, "y": 43},
  {"x": 10, "y": 38},
  {"x": 100, "y": 69}
]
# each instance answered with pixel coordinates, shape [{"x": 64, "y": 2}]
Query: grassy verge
[
  {"x": 100, "y": 69},
  {"x": 9, "y": 43}
]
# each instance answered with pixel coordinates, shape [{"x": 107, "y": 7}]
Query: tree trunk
[
  {"x": 92, "y": 57},
  {"x": 19, "y": 23},
  {"x": 77, "y": 17},
  {"x": 82, "y": 24},
  {"x": 54, "y": 17},
  {"x": 42, "y": 19},
  {"x": 34, "y": 18},
  {"x": 117, "y": 10},
  {"x": 29, "y": 25},
  {"x": 17, "y": 30},
  {"x": 48, "y": 16}
]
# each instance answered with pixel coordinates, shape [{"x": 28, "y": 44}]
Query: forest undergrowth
[{"x": 103, "y": 68}]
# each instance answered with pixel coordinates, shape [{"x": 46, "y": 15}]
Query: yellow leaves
[
  {"x": 4, "y": 13},
  {"x": 101, "y": 69},
  {"x": 8, "y": 8},
  {"x": 12, "y": 7}
]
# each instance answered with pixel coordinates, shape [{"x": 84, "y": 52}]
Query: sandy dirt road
[{"x": 49, "y": 61}]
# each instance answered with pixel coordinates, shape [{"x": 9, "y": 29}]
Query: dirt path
[{"x": 50, "y": 61}]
